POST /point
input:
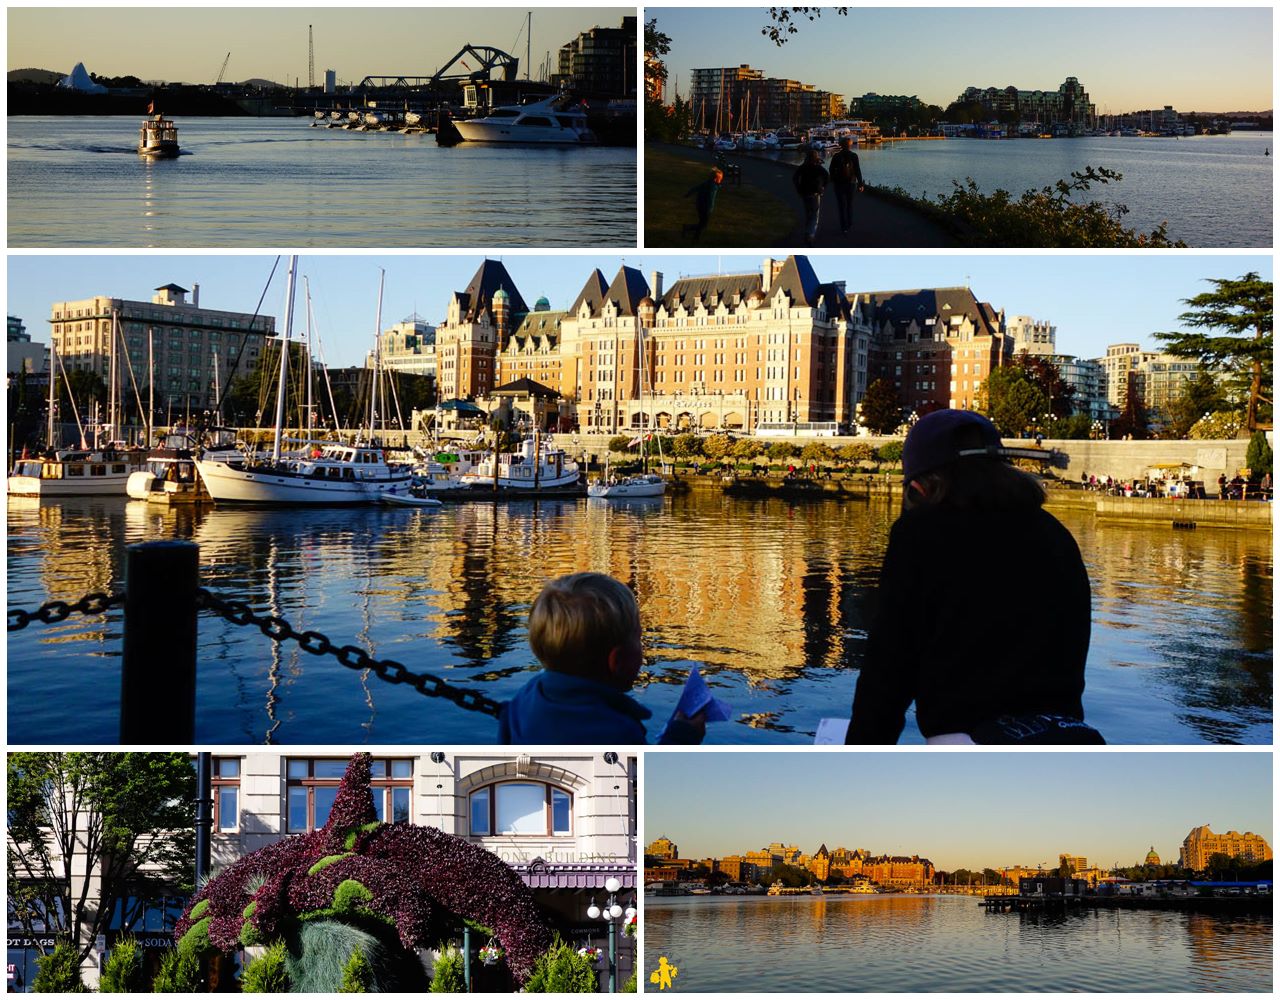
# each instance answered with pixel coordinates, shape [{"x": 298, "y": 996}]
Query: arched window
[{"x": 521, "y": 808}]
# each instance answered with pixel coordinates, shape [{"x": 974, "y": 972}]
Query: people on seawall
[
  {"x": 584, "y": 629},
  {"x": 810, "y": 180},
  {"x": 983, "y": 614}
]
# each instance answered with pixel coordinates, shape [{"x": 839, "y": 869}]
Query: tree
[
  {"x": 782, "y": 451},
  {"x": 58, "y": 971},
  {"x": 1012, "y": 400},
  {"x": 1076, "y": 427},
  {"x": 656, "y": 45},
  {"x": 857, "y": 452},
  {"x": 890, "y": 452},
  {"x": 1258, "y": 457},
  {"x": 1048, "y": 379},
  {"x": 1201, "y": 395},
  {"x": 122, "y": 972},
  {"x": 1221, "y": 426},
  {"x": 881, "y": 410},
  {"x": 687, "y": 446},
  {"x": 1240, "y": 310},
  {"x": 783, "y": 21},
  {"x": 1134, "y": 422},
  {"x": 747, "y": 448},
  {"x": 816, "y": 453},
  {"x": 717, "y": 447},
  {"x": 129, "y": 816}
]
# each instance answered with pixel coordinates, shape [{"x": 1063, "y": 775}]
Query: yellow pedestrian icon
[{"x": 662, "y": 976}]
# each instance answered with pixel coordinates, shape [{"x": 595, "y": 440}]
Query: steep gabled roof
[
  {"x": 712, "y": 289},
  {"x": 525, "y": 387},
  {"x": 478, "y": 297},
  {"x": 797, "y": 279},
  {"x": 900, "y": 308},
  {"x": 628, "y": 288},
  {"x": 592, "y": 294}
]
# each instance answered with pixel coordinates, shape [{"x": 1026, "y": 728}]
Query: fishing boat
[
  {"x": 158, "y": 138},
  {"x": 553, "y": 120}
]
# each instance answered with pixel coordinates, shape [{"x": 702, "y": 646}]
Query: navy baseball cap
[{"x": 936, "y": 439}]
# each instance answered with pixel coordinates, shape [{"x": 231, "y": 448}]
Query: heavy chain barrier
[
  {"x": 276, "y": 628},
  {"x": 52, "y": 612},
  {"x": 279, "y": 630}
]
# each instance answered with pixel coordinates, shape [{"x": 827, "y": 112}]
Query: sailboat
[
  {"x": 647, "y": 484},
  {"x": 326, "y": 472}
]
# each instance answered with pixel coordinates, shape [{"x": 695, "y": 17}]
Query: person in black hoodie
[
  {"x": 984, "y": 602},
  {"x": 846, "y": 174},
  {"x": 811, "y": 181}
]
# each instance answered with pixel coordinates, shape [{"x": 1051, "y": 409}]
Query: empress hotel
[{"x": 734, "y": 351}]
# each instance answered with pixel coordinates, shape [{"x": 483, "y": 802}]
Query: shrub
[
  {"x": 717, "y": 447},
  {"x": 687, "y": 446},
  {"x": 179, "y": 972},
  {"x": 449, "y": 975},
  {"x": 817, "y": 453},
  {"x": 266, "y": 973},
  {"x": 620, "y": 443},
  {"x": 357, "y": 974},
  {"x": 630, "y": 985},
  {"x": 859, "y": 451},
  {"x": 890, "y": 452},
  {"x": 59, "y": 971},
  {"x": 783, "y": 450},
  {"x": 1258, "y": 457},
  {"x": 562, "y": 970},
  {"x": 122, "y": 971}
]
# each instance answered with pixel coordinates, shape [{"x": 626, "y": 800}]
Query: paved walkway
[{"x": 876, "y": 222}]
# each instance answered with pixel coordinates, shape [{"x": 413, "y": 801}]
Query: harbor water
[
  {"x": 919, "y": 944},
  {"x": 768, "y": 596},
  {"x": 267, "y": 182},
  {"x": 1213, "y": 191}
]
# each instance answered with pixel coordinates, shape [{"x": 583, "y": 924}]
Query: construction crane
[
  {"x": 222, "y": 72},
  {"x": 311, "y": 59}
]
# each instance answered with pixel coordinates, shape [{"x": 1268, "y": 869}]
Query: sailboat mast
[
  {"x": 306, "y": 285},
  {"x": 284, "y": 360},
  {"x": 53, "y": 372},
  {"x": 151, "y": 384},
  {"x": 377, "y": 356},
  {"x": 111, "y": 394}
]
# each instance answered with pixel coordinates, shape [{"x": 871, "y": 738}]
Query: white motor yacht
[
  {"x": 330, "y": 474},
  {"x": 535, "y": 465},
  {"x": 74, "y": 472},
  {"x": 553, "y": 120},
  {"x": 170, "y": 474}
]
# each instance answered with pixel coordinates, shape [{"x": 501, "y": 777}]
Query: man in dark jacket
[
  {"x": 811, "y": 181},
  {"x": 704, "y": 201},
  {"x": 846, "y": 173}
]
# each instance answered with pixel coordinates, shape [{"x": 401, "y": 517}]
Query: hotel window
[
  {"x": 312, "y": 787},
  {"x": 521, "y": 808},
  {"x": 226, "y": 794}
]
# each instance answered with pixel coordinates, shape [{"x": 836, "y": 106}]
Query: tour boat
[
  {"x": 552, "y": 120},
  {"x": 535, "y": 465},
  {"x": 73, "y": 472},
  {"x": 158, "y": 137},
  {"x": 775, "y": 889},
  {"x": 170, "y": 474}
]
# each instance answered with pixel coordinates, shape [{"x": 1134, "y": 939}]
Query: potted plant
[
  {"x": 491, "y": 954},
  {"x": 591, "y": 954},
  {"x": 632, "y": 925}
]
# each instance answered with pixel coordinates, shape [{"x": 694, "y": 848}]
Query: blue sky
[
  {"x": 1093, "y": 299},
  {"x": 270, "y": 42},
  {"x": 961, "y": 810},
  {"x": 1194, "y": 58}
]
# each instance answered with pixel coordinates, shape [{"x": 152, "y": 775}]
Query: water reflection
[
  {"x": 771, "y": 598},
  {"x": 909, "y": 943}
]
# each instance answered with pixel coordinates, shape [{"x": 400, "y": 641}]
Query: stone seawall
[{"x": 1187, "y": 513}]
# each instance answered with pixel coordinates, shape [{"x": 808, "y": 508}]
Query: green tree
[
  {"x": 58, "y": 971},
  {"x": 1013, "y": 401},
  {"x": 357, "y": 974},
  {"x": 1235, "y": 332},
  {"x": 449, "y": 975},
  {"x": 122, "y": 971},
  {"x": 128, "y": 815},
  {"x": 880, "y": 410},
  {"x": 562, "y": 970},
  {"x": 1201, "y": 395},
  {"x": 1134, "y": 422},
  {"x": 890, "y": 452},
  {"x": 815, "y": 452},
  {"x": 687, "y": 446},
  {"x": 1221, "y": 426},
  {"x": 1076, "y": 427},
  {"x": 656, "y": 45},
  {"x": 1258, "y": 457},
  {"x": 747, "y": 448},
  {"x": 859, "y": 451},
  {"x": 1046, "y": 377},
  {"x": 783, "y": 451},
  {"x": 717, "y": 447},
  {"x": 620, "y": 443}
]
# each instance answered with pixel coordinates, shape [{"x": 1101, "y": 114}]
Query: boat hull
[
  {"x": 480, "y": 131},
  {"x": 33, "y": 486},
  {"x": 160, "y": 151},
  {"x": 621, "y": 491},
  {"x": 227, "y": 484}
]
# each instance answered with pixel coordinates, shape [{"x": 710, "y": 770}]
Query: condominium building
[
  {"x": 1032, "y": 336},
  {"x": 409, "y": 346},
  {"x": 1073, "y": 863},
  {"x": 738, "y": 97},
  {"x": 1088, "y": 379},
  {"x": 1202, "y": 843},
  {"x": 600, "y": 62},
  {"x": 1159, "y": 379},
  {"x": 23, "y": 355},
  {"x": 872, "y": 105},
  {"x": 176, "y": 342},
  {"x": 1069, "y": 104}
]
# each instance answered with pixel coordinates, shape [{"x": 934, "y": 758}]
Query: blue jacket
[{"x": 560, "y": 708}]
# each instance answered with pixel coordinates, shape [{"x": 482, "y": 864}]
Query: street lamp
[{"x": 611, "y": 912}]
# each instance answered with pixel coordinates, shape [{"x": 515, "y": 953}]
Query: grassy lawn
[{"x": 744, "y": 216}]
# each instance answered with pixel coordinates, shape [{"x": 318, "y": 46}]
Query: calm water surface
[
  {"x": 947, "y": 943},
  {"x": 264, "y": 182},
  {"x": 1214, "y": 191},
  {"x": 767, "y": 596}
]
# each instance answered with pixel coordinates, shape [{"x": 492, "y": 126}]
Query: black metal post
[
  {"x": 158, "y": 674},
  {"x": 466, "y": 958},
  {"x": 204, "y": 815},
  {"x": 613, "y": 953}
]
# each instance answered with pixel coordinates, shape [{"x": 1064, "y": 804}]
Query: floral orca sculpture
[{"x": 358, "y": 870}]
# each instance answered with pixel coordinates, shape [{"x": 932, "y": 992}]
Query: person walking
[
  {"x": 846, "y": 174},
  {"x": 704, "y": 202},
  {"x": 811, "y": 181}
]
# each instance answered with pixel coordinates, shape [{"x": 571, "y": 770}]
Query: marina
[{"x": 1181, "y": 646}]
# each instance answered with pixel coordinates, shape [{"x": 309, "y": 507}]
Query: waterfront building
[
  {"x": 872, "y": 105},
  {"x": 23, "y": 354},
  {"x": 1032, "y": 336},
  {"x": 820, "y": 863},
  {"x": 1159, "y": 379},
  {"x": 1069, "y": 104},
  {"x": 1073, "y": 863},
  {"x": 722, "y": 97},
  {"x": 184, "y": 338},
  {"x": 601, "y": 62},
  {"x": 739, "y": 869},
  {"x": 937, "y": 346},
  {"x": 662, "y": 849},
  {"x": 408, "y": 346},
  {"x": 477, "y": 320},
  {"x": 1088, "y": 380},
  {"x": 1051, "y": 885},
  {"x": 1202, "y": 843}
]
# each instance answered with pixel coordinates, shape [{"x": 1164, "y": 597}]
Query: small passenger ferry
[{"x": 158, "y": 137}]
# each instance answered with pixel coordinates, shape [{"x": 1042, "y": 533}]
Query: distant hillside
[{"x": 34, "y": 76}]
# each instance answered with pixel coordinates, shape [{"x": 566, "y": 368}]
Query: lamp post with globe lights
[{"x": 611, "y": 912}]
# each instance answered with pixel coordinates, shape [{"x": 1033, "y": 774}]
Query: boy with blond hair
[{"x": 585, "y": 630}]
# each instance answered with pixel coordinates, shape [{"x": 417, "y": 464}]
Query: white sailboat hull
[
  {"x": 227, "y": 484},
  {"x": 641, "y": 487}
]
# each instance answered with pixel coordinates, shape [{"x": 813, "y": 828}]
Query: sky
[
  {"x": 1093, "y": 299},
  {"x": 960, "y": 810},
  {"x": 180, "y": 42},
  {"x": 1127, "y": 59}
]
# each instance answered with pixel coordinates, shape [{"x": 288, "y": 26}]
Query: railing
[{"x": 161, "y": 602}]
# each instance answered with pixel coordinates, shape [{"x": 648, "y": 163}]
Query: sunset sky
[
  {"x": 969, "y": 810},
  {"x": 1128, "y": 59},
  {"x": 1129, "y": 296},
  {"x": 178, "y": 42}
]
